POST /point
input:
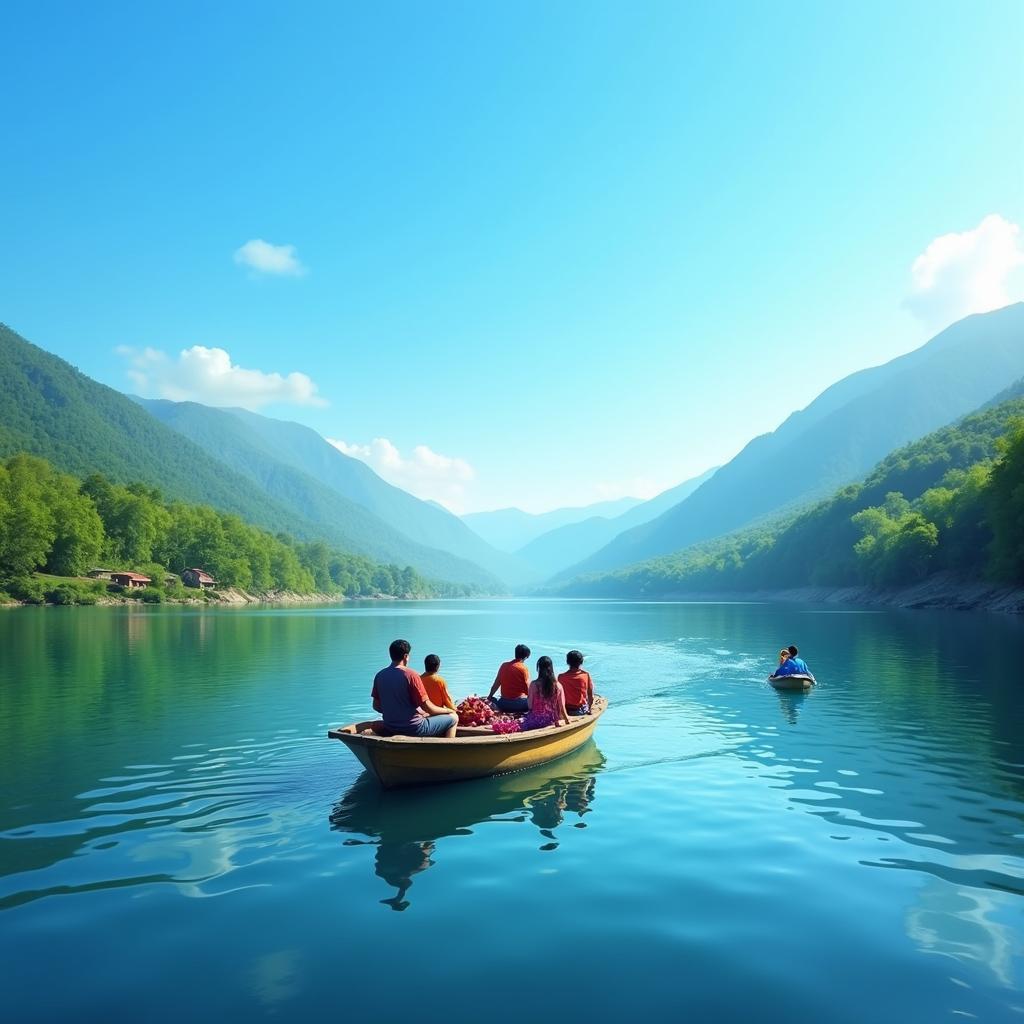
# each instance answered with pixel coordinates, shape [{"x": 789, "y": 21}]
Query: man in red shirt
[
  {"x": 514, "y": 679},
  {"x": 400, "y": 699},
  {"x": 578, "y": 686}
]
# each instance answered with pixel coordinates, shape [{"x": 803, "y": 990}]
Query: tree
[
  {"x": 1006, "y": 507},
  {"x": 27, "y": 529}
]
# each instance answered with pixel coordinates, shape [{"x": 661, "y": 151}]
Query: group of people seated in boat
[
  {"x": 791, "y": 664},
  {"x": 411, "y": 704}
]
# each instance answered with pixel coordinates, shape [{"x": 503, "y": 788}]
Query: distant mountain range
[
  {"x": 837, "y": 438},
  {"x": 509, "y": 529},
  {"x": 566, "y": 545}
]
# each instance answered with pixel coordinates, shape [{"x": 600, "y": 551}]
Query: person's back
[
  {"x": 801, "y": 665},
  {"x": 513, "y": 679},
  {"x": 434, "y": 683},
  {"x": 578, "y": 685},
  {"x": 400, "y": 692},
  {"x": 546, "y": 699}
]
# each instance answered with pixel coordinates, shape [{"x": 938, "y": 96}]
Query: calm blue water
[{"x": 179, "y": 840}]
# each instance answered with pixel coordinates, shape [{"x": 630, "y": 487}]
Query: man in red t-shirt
[
  {"x": 514, "y": 679},
  {"x": 400, "y": 699},
  {"x": 578, "y": 686}
]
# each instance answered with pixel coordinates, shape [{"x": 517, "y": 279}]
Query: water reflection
[
  {"x": 790, "y": 704},
  {"x": 404, "y": 825},
  {"x": 963, "y": 925}
]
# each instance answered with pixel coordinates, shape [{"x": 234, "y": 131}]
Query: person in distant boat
[
  {"x": 401, "y": 700},
  {"x": 786, "y": 665},
  {"x": 514, "y": 680},
  {"x": 578, "y": 686},
  {"x": 801, "y": 665},
  {"x": 434, "y": 683},
  {"x": 546, "y": 699},
  {"x": 791, "y": 665}
]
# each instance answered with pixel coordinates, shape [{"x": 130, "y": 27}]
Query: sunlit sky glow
[{"x": 510, "y": 254}]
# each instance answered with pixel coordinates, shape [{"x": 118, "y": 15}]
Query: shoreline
[
  {"x": 223, "y": 598},
  {"x": 941, "y": 591}
]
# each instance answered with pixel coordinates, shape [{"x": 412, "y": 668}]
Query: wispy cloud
[
  {"x": 423, "y": 472},
  {"x": 266, "y": 258},
  {"x": 968, "y": 272},
  {"x": 207, "y": 375}
]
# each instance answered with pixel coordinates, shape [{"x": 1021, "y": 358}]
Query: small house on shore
[
  {"x": 130, "y": 580},
  {"x": 198, "y": 579},
  {"x": 100, "y": 574}
]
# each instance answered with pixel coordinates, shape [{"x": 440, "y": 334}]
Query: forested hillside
[
  {"x": 952, "y": 501},
  {"x": 299, "y": 469},
  {"x": 838, "y": 437},
  {"x": 58, "y": 524},
  {"x": 50, "y": 409}
]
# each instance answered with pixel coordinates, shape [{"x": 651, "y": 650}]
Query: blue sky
[{"x": 543, "y": 253}]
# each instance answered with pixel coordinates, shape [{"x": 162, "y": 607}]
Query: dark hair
[
  {"x": 793, "y": 650},
  {"x": 546, "y": 677},
  {"x": 431, "y": 662},
  {"x": 574, "y": 659},
  {"x": 522, "y": 652},
  {"x": 399, "y": 649}
]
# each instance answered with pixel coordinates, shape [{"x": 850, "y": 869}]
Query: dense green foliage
[
  {"x": 50, "y": 409},
  {"x": 953, "y": 501},
  {"x": 53, "y": 523}
]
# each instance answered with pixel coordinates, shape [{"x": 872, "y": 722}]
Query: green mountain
[
  {"x": 838, "y": 437},
  {"x": 932, "y": 505},
  {"x": 298, "y": 468},
  {"x": 559, "y": 548},
  {"x": 50, "y": 409},
  {"x": 510, "y": 529}
]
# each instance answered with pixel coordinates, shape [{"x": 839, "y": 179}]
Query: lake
[{"x": 180, "y": 840}]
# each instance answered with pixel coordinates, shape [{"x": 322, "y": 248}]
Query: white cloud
[
  {"x": 424, "y": 472},
  {"x": 207, "y": 375},
  {"x": 968, "y": 272},
  {"x": 266, "y": 258}
]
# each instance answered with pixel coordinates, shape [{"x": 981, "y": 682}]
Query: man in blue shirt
[{"x": 799, "y": 665}]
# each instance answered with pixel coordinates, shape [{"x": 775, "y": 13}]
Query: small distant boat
[
  {"x": 474, "y": 753},
  {"x": 798, "y": 681}
]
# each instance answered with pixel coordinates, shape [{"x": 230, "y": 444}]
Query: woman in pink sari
[{"x": 546, "y": 699}]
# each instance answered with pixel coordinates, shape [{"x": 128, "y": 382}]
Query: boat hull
[
  {"x": 473, "y": 754},
  {"x": 794, "y": 682}
]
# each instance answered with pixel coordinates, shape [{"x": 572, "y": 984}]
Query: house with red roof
[
  {"x": 130, "y": 579},
  {"x": 199, "y": 579}
]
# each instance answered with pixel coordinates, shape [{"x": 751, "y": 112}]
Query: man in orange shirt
[
  {"x": 578, "y": 686},
  {"x": 514, "y": 679},
  {"x": 434, "y": 684}
]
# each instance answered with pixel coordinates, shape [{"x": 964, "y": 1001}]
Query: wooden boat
[
  {"x": 797, "y": 681},
  {"x": 473, "y": 753}
]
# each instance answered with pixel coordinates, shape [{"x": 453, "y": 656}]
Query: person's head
[
  {"x": 574, "y": 659},
  {"x": 431, "y": 663},
  {"x": 522, "y": 652},
  {"x": 546, "y": 676},
  {"x": 784, "y": 654},
  {"x": 400, "y": 651},
  {"x": 793, "y": 650}
]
